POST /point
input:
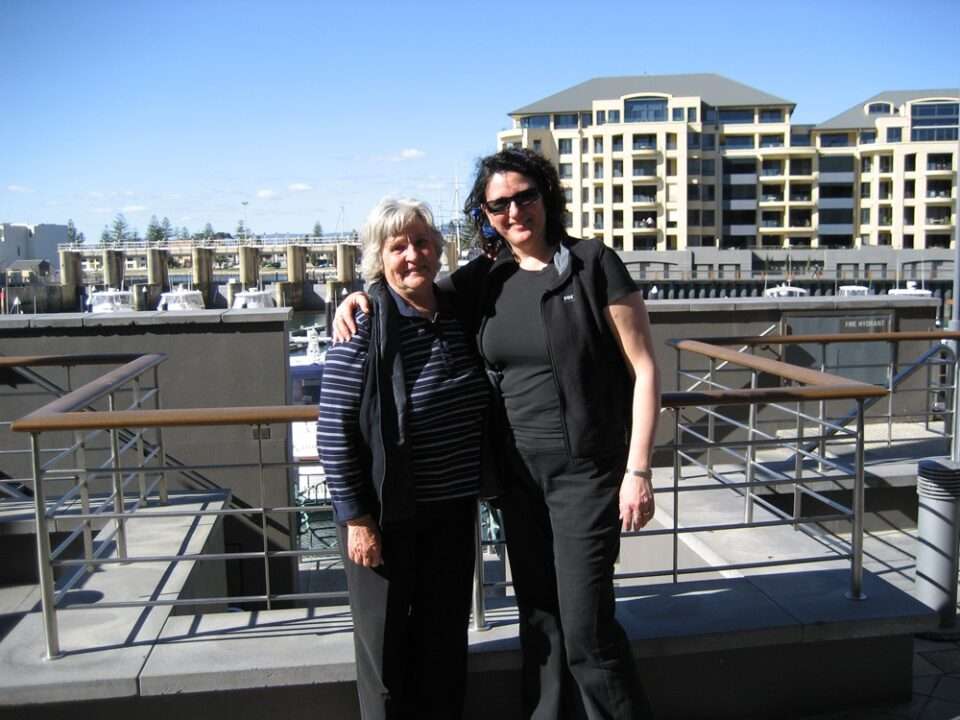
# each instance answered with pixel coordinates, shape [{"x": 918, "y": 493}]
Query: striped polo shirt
[{"x": 447, "y": 395}]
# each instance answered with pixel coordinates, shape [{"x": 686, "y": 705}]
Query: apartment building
[{"x": 675, "y": 162}]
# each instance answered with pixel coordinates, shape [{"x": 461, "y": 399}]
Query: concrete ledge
[{"x": 104, "y": 649}]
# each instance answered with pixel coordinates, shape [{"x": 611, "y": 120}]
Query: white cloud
[
  {"x": 18, "y": 189},
  {"x": 133, "y": 208},
  {"x": 265, "y": 194},
  {"x": 298, "y": 187},
  {"x": 411, "y": 154}
]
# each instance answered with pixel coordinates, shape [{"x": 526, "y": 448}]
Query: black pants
[
  {"x": 563, "y": 536},
  {"x": 410, "y": 615}
]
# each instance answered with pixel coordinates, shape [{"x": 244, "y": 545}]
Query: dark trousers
[
  {"x": 410, "y": 615},
  {"x": 563, "y": 536}
]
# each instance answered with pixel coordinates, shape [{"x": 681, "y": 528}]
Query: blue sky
[{"x": 312, "y": 111}]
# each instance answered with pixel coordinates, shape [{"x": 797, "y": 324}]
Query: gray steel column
[
  {"x": 938, "y": 532},
  {"x": 44, "y": 569},
  {"x": 479, "y": 605}
]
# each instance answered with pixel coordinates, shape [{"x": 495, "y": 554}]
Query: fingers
[
  {"x": 364, "y": 302},
  {"x": 364, "y": 546},
  {"x": 637, "y": 506}
]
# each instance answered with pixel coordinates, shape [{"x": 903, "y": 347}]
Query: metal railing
[{"x": 708, "y": 421}]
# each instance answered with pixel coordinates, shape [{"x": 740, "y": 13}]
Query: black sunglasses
[{"x": 522, "y": 199}]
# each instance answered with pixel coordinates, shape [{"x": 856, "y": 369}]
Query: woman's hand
[
  {"x": 636, "y": 502},
  {"x": 363, "y": 542},
  {"x": 344, "y": 326}
]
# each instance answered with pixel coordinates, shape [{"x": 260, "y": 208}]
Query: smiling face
[
  {"x": 411, "y": 261},
  {"x": 522, "y": 225}
]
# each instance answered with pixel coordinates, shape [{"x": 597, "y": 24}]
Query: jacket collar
[{"x": 561, "y": 258}]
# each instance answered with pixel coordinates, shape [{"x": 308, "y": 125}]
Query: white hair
[{"x": 390, "y": 218}]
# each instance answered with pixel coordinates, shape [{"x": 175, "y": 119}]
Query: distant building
[
  {"x": 30, "y": 242},
  {"x": 673, "y": 162},
  {"x": 27, "y": 272}
]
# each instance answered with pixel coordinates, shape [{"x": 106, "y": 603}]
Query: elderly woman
[
  {"x": 563, "y": 330},
  {"x": 399, "y": 435}
]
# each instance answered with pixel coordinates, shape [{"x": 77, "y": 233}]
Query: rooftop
[
  {"x": 714, "y": 89},
  {"x": 857, "y": 117}
]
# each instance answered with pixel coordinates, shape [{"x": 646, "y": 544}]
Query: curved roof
[
  {"x": 715, "y": 90},
  {"x": 856, "y": 117}
]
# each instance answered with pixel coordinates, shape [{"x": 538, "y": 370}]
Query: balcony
[
  {"x": 836, "y": 229},
  {"x": 835, "y": 203},
  {"x": 644, "y": 199},
  {"x": 790, "y": 583},
  {"x": 740, "y": 178},
  {"x": 745, "y": 204},
  {"x": 837, "y": 178}
]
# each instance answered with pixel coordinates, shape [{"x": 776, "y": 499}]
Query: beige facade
[{"x": 719, "y": 164}]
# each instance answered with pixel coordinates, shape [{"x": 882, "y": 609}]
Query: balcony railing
[{"x": 127, "y": 491}]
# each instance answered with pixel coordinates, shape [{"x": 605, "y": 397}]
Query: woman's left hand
[{"x": 636, "y": 502}]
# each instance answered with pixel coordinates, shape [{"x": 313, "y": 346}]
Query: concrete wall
[{"x": 215, "y": 359}]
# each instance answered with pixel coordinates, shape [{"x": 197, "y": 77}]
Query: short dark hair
[{"x": 535, "y": 168}]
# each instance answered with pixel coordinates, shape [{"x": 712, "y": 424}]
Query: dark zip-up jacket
[{"x": 593, "y": 382}]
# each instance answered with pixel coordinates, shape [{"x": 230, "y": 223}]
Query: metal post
[
  {"x": 44, "y": 569},
  {"x": 119, "y": 506},
  {"x": 141, "y": 476},
  {"x": 711, "y": 420},
  {"x": 479, "y": 602},
  {"x": 856, "y": 540},
  {"x": 162, "y": 452},
  {"x": 891, "y": 372},
  {"x": 263, "y": 518},
  {"x": 751, "y": 453},
  {"x": 83, "y": 479},
  {"x": 821, "y": 413},
  {"x": 955, "y": 440},
  {"x": 676, "y": 493},
  {"x": 798, "y": 470}
]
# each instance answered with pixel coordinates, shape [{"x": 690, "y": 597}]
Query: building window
[
  {"x": 537, "y": 146},
  {"x": 585, "y": 195},
  {"x": 567, "y": 219},
  {"x": 584, "y": 146},
  {"x": 598, "y": 195},
  {"x": 671, "y": 167},
  {"x": 933, "y": 135},
  {"x": 598, "y": 145},
  {"x": 598, "y": 220},
  {"x": 565, "y": 170},
  {"x": 693, "y": 191},
  {"x": 909, "y": 215},
  {"x": 601, "y": 117},
  {"x": 771, "y": 116},
  {"x": 540, "y": 122},
  {"x": 885, "y": 189},
  {"x": 939, "y": 162},
  {"x": 886, "y": 163},
  {"x": 693, "y": 140},
  {"x": 742, "y": 115},
  {"x": 617, "y": 168},
  {"x": 584, "y": 170},
  {"x": 567, "y": 195},
  {"x": 693, "y": 166},
  {"x": 708, "y": 193},
  {"x": 866, "y": 164},
  {"x": 618, "y": 143},
  {"x": 644, "y": 167},
  {"x": 613, "y": 116},
  {"x": 618, "y": 193},
  {"x": 910, "y": 162},
  {"x": 708, "y": 141},
  {"x": 908, "y": 242},
  {"x": 644, "y": 142},
  {"x": 835, "y": 140},
  {"x": 868, "y": 137},
  {"x": 618, "y": 241},
  {"x": 586, "y": 119},
  {"x": 909, "y": 189},
  {"x": 566, "y": 121},
  {"x": 738, "y": 142},
  {"x": 708, "y": 218},
  {"x": 865, "y": 216},
  {"x": 800, "y": 139},
  {"x": 894, "y": 134},
  {"x": 618, "y": 219},
  {"x": 767, "y": 141},
  {"x": 678, "y": 114},
  {"x": 671, "y": 141},
  {"x": 645, "y": 110},
  {"x": 584, "y": 220},
  {"x": 836, "y": 163},
  {"x": 565, "y": 146},
  {"x": 878, "y": 108},
  {"x": 708, "y": 167},
  {"x": 598, "y": 170},
  {"x": 691, "y": 114},
  {"x": 693, "y": 217},
  {"x": 864, "y": 189}
]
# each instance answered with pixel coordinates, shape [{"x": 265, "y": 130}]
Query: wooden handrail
[
  {"x": 832, "y": 338},
  {"x": 190, "y": 417},
  {"x": 13, "y": 361}
]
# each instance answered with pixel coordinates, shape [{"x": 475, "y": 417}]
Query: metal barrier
[{"x": 137, "y": 455}]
